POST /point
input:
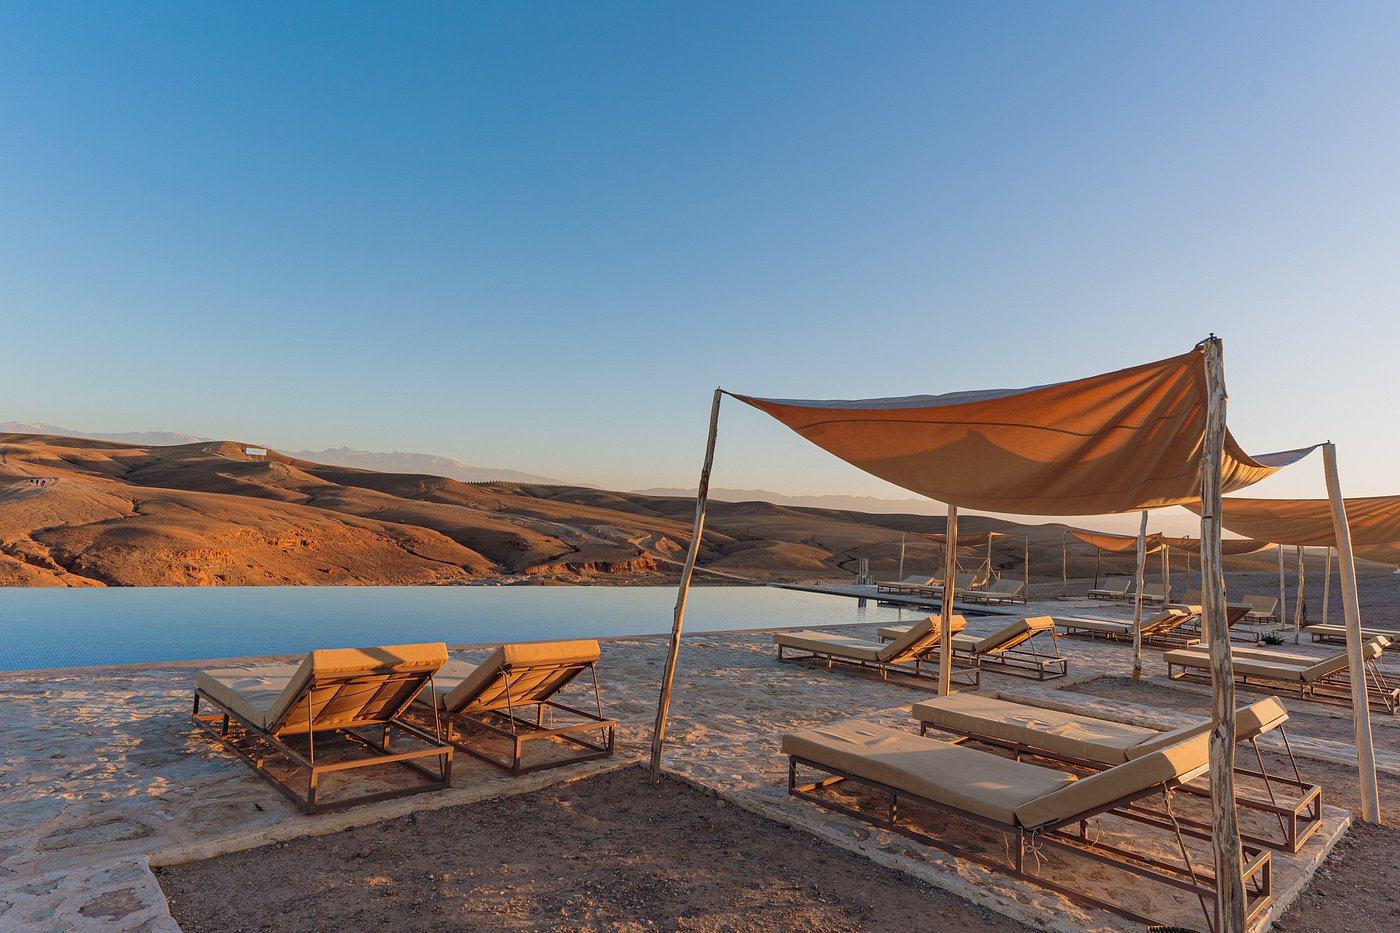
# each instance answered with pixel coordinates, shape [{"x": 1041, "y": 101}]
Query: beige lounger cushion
[
  {"x": 1050, "y": 730},
  {"x": 1102, "y": 626},
  {"x": 1255, "y": 719},
  {"x": 1339, "y": 631},
  {"x": 1181, "y": 760},
  {"x": 249, "y": 691},
  {"x": 857, "y": 649},
  {"x": 1010, "y": 633},
  {"x": 919, "y": 639},
  {"x": 977, "y": 782},
  {"x": 460, "y": 685}
]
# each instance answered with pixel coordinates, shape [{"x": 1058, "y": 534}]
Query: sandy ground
[{"x": 611, "y": 852}]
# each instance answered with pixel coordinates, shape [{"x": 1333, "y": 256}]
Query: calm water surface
[{"x": 77, "y": 627}]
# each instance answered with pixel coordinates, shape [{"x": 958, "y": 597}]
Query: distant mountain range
[
  {"x": 143, "y": 438},
  {"x": 868, "y": 504},
  {"x": 432, "y": 464}
]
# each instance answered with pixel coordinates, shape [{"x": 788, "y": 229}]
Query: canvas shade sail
[
  {"x": 1383, "y": 553},
  {"x": 1228, "y": 548},
  {"x": 1118, "y": 544},
  {"x": 1119, "y": 442},
  {"x": 964, "y": 541},
  {"x": 1308, "y": 522}
]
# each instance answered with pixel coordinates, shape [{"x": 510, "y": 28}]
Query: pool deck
[{"x": 102, "y": 774}]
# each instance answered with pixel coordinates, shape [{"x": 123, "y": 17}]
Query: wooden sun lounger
[
  {"x": 491, "y": 700},
  {"x": 1032, "y": 807},
  {"x": 1097, "y": 744},
  {"x": 1337, "y": 634},
  {"x": 909, "y": 585},
  {"x": 1154, "y": 594},
  {"x": 1236, "y": 614},
  {"x": 1263, "y": 608},
  {"x": 1160, "y": 628},
  {"x": 1004, "y": 649},
  {"x": 1326, "y": 680},
  {"x": 1002, "y": 591},
  {"x": 915, "y": 653},
  {"x": 1108, "y": 591},
  {"x": 279, "y": 710}
]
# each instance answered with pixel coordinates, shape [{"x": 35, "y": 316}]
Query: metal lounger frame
[
  {"x": 1297, "y": 823},
  {"x": 924, "y": 668},
  {"x": 1012, "y": 659},
  {"x": 218, "y": 724},
  {"x": 1334, "y": 689},
  {"x": 508, "y": 724},
  {"x": 1257, "y": 864}
]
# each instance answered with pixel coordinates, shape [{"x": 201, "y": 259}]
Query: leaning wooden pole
[
  {"x": 1326, "y": 586},
  {"x": 1365, "y": 750},
  {"x": 1225, "y": 834},
  {"x": 1137, "y": 597},
  {"x": 1300, "y": 609},
  {"x": 945, "y": 614},
  {"x": 702, "y": 493}
]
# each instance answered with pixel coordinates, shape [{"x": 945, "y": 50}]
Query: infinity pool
[{"x": 78, "y": 627}]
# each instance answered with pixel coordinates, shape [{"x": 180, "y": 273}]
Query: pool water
[{"x": 44, "y": 627}]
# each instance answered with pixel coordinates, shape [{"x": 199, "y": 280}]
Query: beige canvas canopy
[
  {"x": 1308, "y": 522},
  {"x": 964, "y": 541},
  {"x": 1118, "y": 544},
  {"x": 1384, "y": 553},
  {"x": 1119, "y": 442},
  {"x": 1229, "y": 548}
]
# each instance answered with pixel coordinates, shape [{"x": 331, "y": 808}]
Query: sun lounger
[
  {"x": 1325, "y": 680},
  {"x": 280, "y": 711},
  {"x": 1338, "y": 634},
  {"x": 490, "y": 702},
  {"x": 1098, "y": 744},
  {"x": 1032, "y": 807},
  {"x": 1160, "y": 627},
  {"x": 1003, "y": 649},
  {"x": 915, "y": 647},
  {"x": 1002, "y": 591},
  {"x": 1262, "y": 608},
  {"x": 1154, "y": 593},
  {"x": 1112, "y": 589},
  {"x": 962, "y": 583},
  {"x": 909, "y": 585}
]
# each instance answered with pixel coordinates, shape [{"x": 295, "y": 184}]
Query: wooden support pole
[
  {"x": 702, "y": 493},
  {"x": 1326, "y": 586},
  {"x": 945, "y": 614},
  {"x": 1137, "y": 597},
  {"x": 1282, "y": 598},
  {"x": 1028, "y": 567},
  {"x": 1300, "y": 609},
  {"x": 1361, "y": 710},
  {"x": 902, "y": 536},
  {"x": 1225, "y": 834},
  {"x": 1064, "y": 562}
]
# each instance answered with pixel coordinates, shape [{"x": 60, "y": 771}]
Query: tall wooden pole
[
  {"x": 1137, "y": 597},
  {"x": 1365, "y": 751},
  {"x": 1166, "y": 574},
  {"x": 1028, "y": 567},
  {"x": 945, "y": 614},
  {"x": 702, "y": 493},
  {"x": 1064, "y": 563},
  {"x": 1282, "y": 599},
  {"x": 1300, "y": 609},
  {"x": 902, "y": 536},
  {"x": 1326, "y": 586},
  {"x": 1225, "y": 834}
]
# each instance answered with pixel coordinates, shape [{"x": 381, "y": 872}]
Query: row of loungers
[
  {"x": 1173, "y": 626},
  {"x": 916, "y": 650},
  {"x": 1327, "y": 680},
  {"x": 271, "y": 716},
  {"x": 968, "y": 586},
  {"x": 1044, "y": 809}
]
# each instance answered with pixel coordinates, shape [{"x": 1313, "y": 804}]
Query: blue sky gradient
[{"x": 538, "y": 235}]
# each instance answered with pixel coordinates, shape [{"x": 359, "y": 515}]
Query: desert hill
[{"x": 85, "y": 511}]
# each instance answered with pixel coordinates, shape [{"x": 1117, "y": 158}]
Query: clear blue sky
[{"x": 537, "y": 235}]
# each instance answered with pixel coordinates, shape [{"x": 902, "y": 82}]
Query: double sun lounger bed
[
  {"x": 915, "y": 650},
  {"x": 275, "y": 716}
]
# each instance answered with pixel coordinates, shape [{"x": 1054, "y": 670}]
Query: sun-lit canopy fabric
[
  {"x": 1118, "y": 544},
  {"x": 1229, "y": 547},
  {"x": 1384, "y": 553},
  {"x": 1118, "y": 442},
  {"x": 965, "y": 541},
  {"x": 1373, "y": 521}
]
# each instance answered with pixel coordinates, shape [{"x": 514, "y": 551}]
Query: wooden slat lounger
[
  {"x": 1097, "y": 744},
  {"x": 1338, "y": 634},
  {"x": 279, "y": 710},
  {"x": 1159, "y": 628},
  {"x": 915, "y": 653},
  {"x": 1109, "y": 590},
  {"x": 1004, "y": 649},
  {"x": 491, "y": 700},
  {"x": 1325, "y": 680},
  {"x": 1002, "y": 591},
  {"x": 1236, "y": 614},
  {"x": 1263, "y": 608},
  {"x": 1033, "y": 807},
  {"x": 909, "y": 585},
  {"x": 1154, "y": 593}
]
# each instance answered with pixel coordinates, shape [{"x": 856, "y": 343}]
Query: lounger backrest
[
  {"x": 1154, "y": 589},
  {"x": 1166, "y": 620},
  {"x": 963, "y": 581},
  {"x": 516, "y": 675},
  {"x": 1015, "y": 634},
  {"x": 1006, "y": 587},
  {"x": 1262, "y": 604},
  {"x": 1234, "y": 615},
  {"x": 1339, "y": 662},
  {"x": 1120, "y": 585},
  {"x": 1250, "y": 721},
  {"x": 919, "y": 639},
  {"x": 1192, "y": 597},
  {"x": 342, "y": 687},
  {"x": 1096, "y": 793}
]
